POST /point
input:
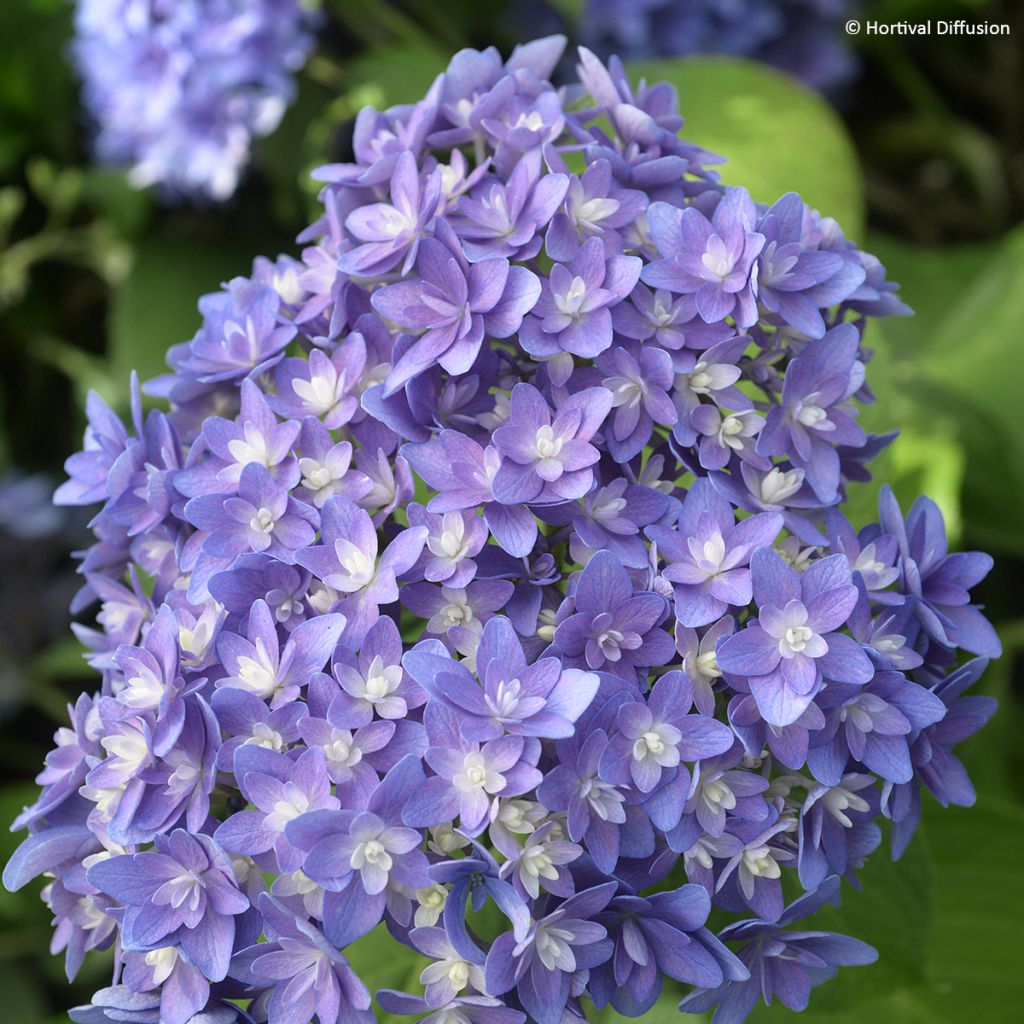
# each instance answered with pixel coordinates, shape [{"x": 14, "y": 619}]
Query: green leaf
[
  {"x": 777, "y": 135},
  {"x": 994, "y": 757},
  {"x": 951, "y": 373},
  {"x": 396, "y": 72},
  {"x": 974, "y": 963},
  {"x": 382, "y": 962},
  {"x": 156, "y": 306},
  {"x": 664, "y": 1011},
  {"x": 892, "y": 912},
  {"x": 966, "y": 966}
]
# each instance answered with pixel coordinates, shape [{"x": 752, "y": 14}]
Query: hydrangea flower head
[
  {"x": 487, "y": 564},
  {"x": 180, "y": 88}
]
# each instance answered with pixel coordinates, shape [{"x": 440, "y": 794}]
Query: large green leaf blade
[{"x": 777, "y": 135}]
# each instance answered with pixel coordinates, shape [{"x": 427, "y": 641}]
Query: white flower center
[
  {"x": 295, "y": 802},
  {"x": 130, "y": 748},
  {"x": 264, "y": 736},
  {"x": 839, "y": 799},
  {"x": 777, "y": 485},
  {"x": 342, "y": 750},
  {"x": 701, "y": 379},
  {"x": 162, "y": 961},
  {"x": 381, "y": 682},
  {"x": 371, "y": 851},
  {"x": 571, "y": 301},
  {"x": 142, "y": 692},
  {"x": 314, "y": 475},
  {"x": 476, "y": 775},
  {"x": 591, "y": 211},
  {"x": 717, "y": 793},
  {"x": 257, "y": 676},
  {"x": 357, "y": 567},
  {"x": 546, "y": 445},
  {"x": 253, "y": 448},
  {"x": 795, "y": 640},
  {"x": 533, "y": 121},
  {"x": 263, "y": 521},
  {"x": 760, "y": 862},
  {"x": 707, "y": 665},
  {"x": 716, "y": 259},
  {"x": 604, "y": 799},
  {"x": 553, "y": 949},
  {"x": 452, "y": 543},
  {"x": 505, "y": 700},
  {"x": 319, "y": 393}
]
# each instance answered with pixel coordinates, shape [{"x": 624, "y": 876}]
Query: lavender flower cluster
[
  {"x": 178, "y": 89},
  {"x": 487, "y": 578}
]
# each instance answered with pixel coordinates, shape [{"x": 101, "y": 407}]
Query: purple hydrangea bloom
[
  {"x": 454, "y": 303},
  {"x": 540, "y": 964},
  {"x": 260, "y": 517},
  {"x": 346, "y": 560},
  {"x": 793, "y": 645},
  {"x": 183, "y": 892},
  {"x": 652, "y": 738},
  {"x": 280, "y": 789},
  {"x": 309, "y": 975},
  {"x": 595, "y": 206},
  {"x": 258, "y": 664},
  {"x": 469, "y": 775},
  {"x": 504, "y": 219},
  {"x": 708, "y": 552},
  {"x": 663, "y": 934},
  {"x": 640, "y": 385},
  {"x": 810, "y": 422},
  {"x": 794, "y": 281},
  {"x": 357, "y": 855},
  {"x": 782, "y": 963},
  {"x": 572, "y": 315},
  {"x": 541, "y": 699},
  {"x": 712, "y": 260},
  {"x": 835, "y": 821},
  {"x": 548, "y": 459},
  {"x": 446, "y": 548},
  {"x": 610, "y": 625},
  {"x": 390, "y": 233},
  {"x": 937, "y": 582}
]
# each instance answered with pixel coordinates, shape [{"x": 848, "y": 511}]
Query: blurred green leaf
[
  {"x": 994, "y": 757},
  {"x": 37, "y": 110},
  {"x": 974, "y": 962},
  {"x": 664, "y": 1011},
  {"x": 23, "y": 1000},
  {"x": 968, "y": 963},
  {"x": 112, "y": 197},
  {"x": 397, "y": 72},
  {"x": 156, "y": 306},
  {"x": 382, "y": 962},
  {"x": 777, "y": 135},
  {"x": 950, "y": 374}
]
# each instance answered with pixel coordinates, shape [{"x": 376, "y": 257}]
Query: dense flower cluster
[
  {"x": 487, "y": 577},
  {"x": 803, "y": 37},
  {"x": 179, "y": 88}
]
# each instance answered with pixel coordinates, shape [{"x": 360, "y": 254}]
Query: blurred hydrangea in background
[
  {"x": 178, "y": 89},
  {"x": 804, "y": 37}
]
